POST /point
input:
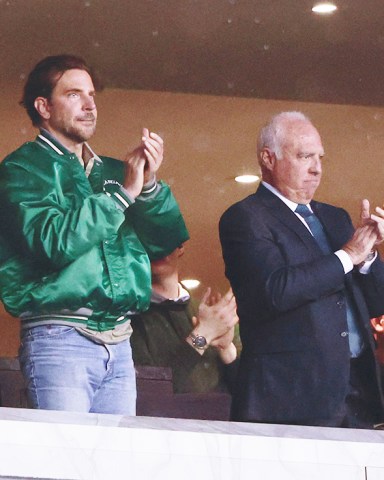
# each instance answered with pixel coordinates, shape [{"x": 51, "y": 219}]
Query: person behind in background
[
  {"x": 79, "y": 231},
  {"x": 306, "y": 284},
  {"x": 196, "y": 343},
  {"x": 378, "y": 330}
]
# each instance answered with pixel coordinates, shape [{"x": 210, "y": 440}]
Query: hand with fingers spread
[
  {"x": 215, "y": 321},
  {"x": 216, "y": 315},
  {"x": 376, "y": 220},
  {"x": 367, "y": 235}
]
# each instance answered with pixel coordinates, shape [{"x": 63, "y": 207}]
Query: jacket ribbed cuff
[
  {"x": 150, "y": 188},
  {"x": 122, "y": 198}
]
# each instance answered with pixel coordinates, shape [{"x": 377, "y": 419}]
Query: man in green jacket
[{"x": 79, "y": 232}]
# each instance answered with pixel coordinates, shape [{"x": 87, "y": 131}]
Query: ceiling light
[
  {"x": 247, "y": 178},
  {"x": 324, "y": 8},
  {"x": 190, "y": 283}
]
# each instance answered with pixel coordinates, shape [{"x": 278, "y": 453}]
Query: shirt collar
[
  {"x": 47, "y": 139},
  {"x": 291, "y": 205},
  {"x": 183, "y": 296}
]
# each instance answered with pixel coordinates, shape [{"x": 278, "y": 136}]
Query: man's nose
[
  {"x": 316, "y": 165},
  {"x": 89, "y": 103}
]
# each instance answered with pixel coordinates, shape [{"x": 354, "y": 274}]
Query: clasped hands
[
  {"x": 216, "y": 321},
  {"x": 367, "y": 235},
  {"x": 142, "y": 163}
]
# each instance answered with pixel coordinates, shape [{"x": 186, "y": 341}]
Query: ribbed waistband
[{"x": 72, "y": 321}]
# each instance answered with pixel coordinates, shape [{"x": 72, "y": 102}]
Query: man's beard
[{"x": 79, "y": 133}]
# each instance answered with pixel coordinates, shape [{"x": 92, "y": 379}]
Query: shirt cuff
[
  {"x": 366, "y": 266},
  {"x": 345, "y": 260}
]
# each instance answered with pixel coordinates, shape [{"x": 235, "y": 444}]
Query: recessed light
[
  {"x": 324, "y": 8},
  {"x": 247, "y": 178},
  {"x": 190, "y": 283}
]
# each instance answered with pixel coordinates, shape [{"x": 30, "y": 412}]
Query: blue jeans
[{"x": 64, "y": 370}]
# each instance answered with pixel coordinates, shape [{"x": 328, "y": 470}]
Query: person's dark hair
[{"x": 44, "y": 77}]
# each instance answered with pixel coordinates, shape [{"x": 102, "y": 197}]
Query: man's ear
[
  {"x": 267, "y": 159},
  {"x": 42, "y": 107},
  {"x": 180, "y": 250}
]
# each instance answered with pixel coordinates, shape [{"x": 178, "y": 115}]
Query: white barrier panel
[{"x": 59, "y": 445}]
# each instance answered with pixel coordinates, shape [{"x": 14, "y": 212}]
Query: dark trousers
[{"x": 363, "y": 407}]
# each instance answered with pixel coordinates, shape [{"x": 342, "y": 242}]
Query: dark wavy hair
[{"x": 44, "y": 77}]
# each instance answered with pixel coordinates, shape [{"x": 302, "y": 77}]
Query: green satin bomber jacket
[{"x": 76, "y": 247}]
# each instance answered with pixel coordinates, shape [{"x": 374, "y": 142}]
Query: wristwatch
[
  {"x": 198, "y": 341},
  {"x": 371, "y": 255}
]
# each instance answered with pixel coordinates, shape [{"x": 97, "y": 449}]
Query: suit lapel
[
  {"x": 284, "y": 214},
  {"x": 331, "y": 225}
]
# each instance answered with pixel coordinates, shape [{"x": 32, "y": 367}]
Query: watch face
[{"x": 199, "y": 341}]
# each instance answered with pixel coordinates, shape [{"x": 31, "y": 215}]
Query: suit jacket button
[{"x": 344, "y": 334}]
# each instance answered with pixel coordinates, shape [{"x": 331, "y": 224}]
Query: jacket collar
[
  {"x": 286, "y": 215},
  {"x": 47, "y": 140},
  {"x": 280, "y": 210}
]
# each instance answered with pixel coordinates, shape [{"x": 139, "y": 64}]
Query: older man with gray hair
[{"x": 306, "y": 284}]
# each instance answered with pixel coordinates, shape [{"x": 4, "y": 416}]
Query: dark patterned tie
[
  {"x": 315, "y": 226},
  {"x": 356, "y": 343}
]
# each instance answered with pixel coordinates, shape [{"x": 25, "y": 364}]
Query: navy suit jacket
[{"x": 295, "y": 361}]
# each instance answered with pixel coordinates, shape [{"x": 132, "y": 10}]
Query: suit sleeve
[
  {"x": 372, "y": 285},
  {"x": 267, "y": 261}
]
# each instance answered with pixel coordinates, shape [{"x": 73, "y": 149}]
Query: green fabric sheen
[{"x": 65, "y": 244}]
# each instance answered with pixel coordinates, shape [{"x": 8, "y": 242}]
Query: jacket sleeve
[
  {"x": 13, "y": 267},
  {"x": 158, "y": 222},
  {"x": 158, "y": 339},
  {"x": 372, "y": 284},
  {"x": 267, "y": 267},
  {"x": 48, "y": 218}
]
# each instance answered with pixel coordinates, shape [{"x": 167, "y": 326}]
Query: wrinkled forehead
[{"x": 303, "y": 136}]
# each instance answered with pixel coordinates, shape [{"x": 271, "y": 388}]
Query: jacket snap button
[{"x": 344, "y": 334}]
